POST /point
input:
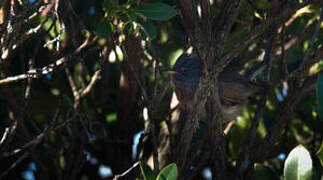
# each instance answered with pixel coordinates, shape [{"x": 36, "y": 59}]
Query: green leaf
[
  {"x": 149, "y": 29},
  {"x": 128, "y": 16},
  {"x": 143, "y": 35},
  {"x": 262, "y": 172},
  {"x": 320, "y": 65},
  {"x": 155, "y": 11},
  {"x": 104, "y": 29},
  {"x": 146, "y": 171},
  {"x": 130, "y": 2},
  {"x": 111, "y": 117},
  {"x": 169, "y": 172},
  {"x": 62, "y": 162},
  {"x": 319, "y": 154},
  {"x": 298, "y": 165},
  {"x": 123, "y": 18},
  {"x": 132, "y": 15},
  {"x": 108, "y": 5},
  {"x": 128, "y": 28}
]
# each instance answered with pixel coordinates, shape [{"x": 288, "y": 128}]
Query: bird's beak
[{"x": 171, "y": 72}]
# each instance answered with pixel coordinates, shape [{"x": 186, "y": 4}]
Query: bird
[{"x": 234, "y": 89}]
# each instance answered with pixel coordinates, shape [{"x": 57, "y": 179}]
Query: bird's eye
[{"x": 183, "y": 70}]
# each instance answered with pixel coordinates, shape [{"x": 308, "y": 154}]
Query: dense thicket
[{"x": 80, "y": 79}]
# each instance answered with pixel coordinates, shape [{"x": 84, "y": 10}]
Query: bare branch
[
  {"x": 144, "y": 93},
  {"x": 225, "y": 60},
  {"x": 40, "y": 72},
  {"x": 118, "y": 176},
  {"x": 224, "y": 24},
  {"x": 36, "y": 140},
  {"x": 19, "y": 160}
]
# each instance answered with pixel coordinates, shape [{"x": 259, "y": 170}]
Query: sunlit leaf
[
  {"x": 319, "y": 65},
  {"x": 155, "y": 11},
  {"x": 298, "y": 165},
  {"x": 169, "y": 172},
  {"x": 262, "y": 172},
  {"x": 147, "y": 173},
  {"x": 62, "y": 162},
  {"x": 111, "y": 117},
  {"x": 319, "y": 154}
]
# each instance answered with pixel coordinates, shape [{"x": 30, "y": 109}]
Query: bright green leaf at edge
[
  {"x": 298, "y": 165},
  {"x": 146, "y": 172},
  {"x": 169, "y": 172},
  {"x": 320, "y": 154},
  {"x": 155, "y": 11}
]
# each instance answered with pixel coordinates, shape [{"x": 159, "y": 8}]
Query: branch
[
  {"x": 237, "y": 49},
  {"x": 40, "y": 72},
  {"x": 285, "y": 110},
  {"x": 245, "y": 155},
  {"x": 12, "y": 37},
  {"x": 118, "y": 176},
  {"x": 224, "y": 24},
  {"x": 143, "y": 90},
  {"x": 189, "y": 15},
  {"x": 36, "y": 140},
  {"x": 307, "y": 62},
  {"x": 19, "y": 160}
]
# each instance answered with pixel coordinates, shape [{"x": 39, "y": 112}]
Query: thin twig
[
  {"x": 284, "y": 68},
  {"x": 155, "y": 64},
  {"x": 37, "y": 139},
  {"x": 126, "y": 172},
  {"x": 237, "y": 49},
  {"x": 96, "y": 75},
  {"x": 151, "y": 113},
  {"x": 73, "y": 86},
  {"x": 19, "y": 160},
  {"x": 307, "y": 62},
  {"x": 311, "y": 43},
  {"x": 144, "y": 93},
  {"x": 261, "y": 105},
  {"x": 39, "y": 72},
  {"x": 254, "y": 6},
  {"x": 260, "y": 151}
]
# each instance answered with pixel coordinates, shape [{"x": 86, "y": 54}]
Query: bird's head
[{"x": 185, "y": 77}]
